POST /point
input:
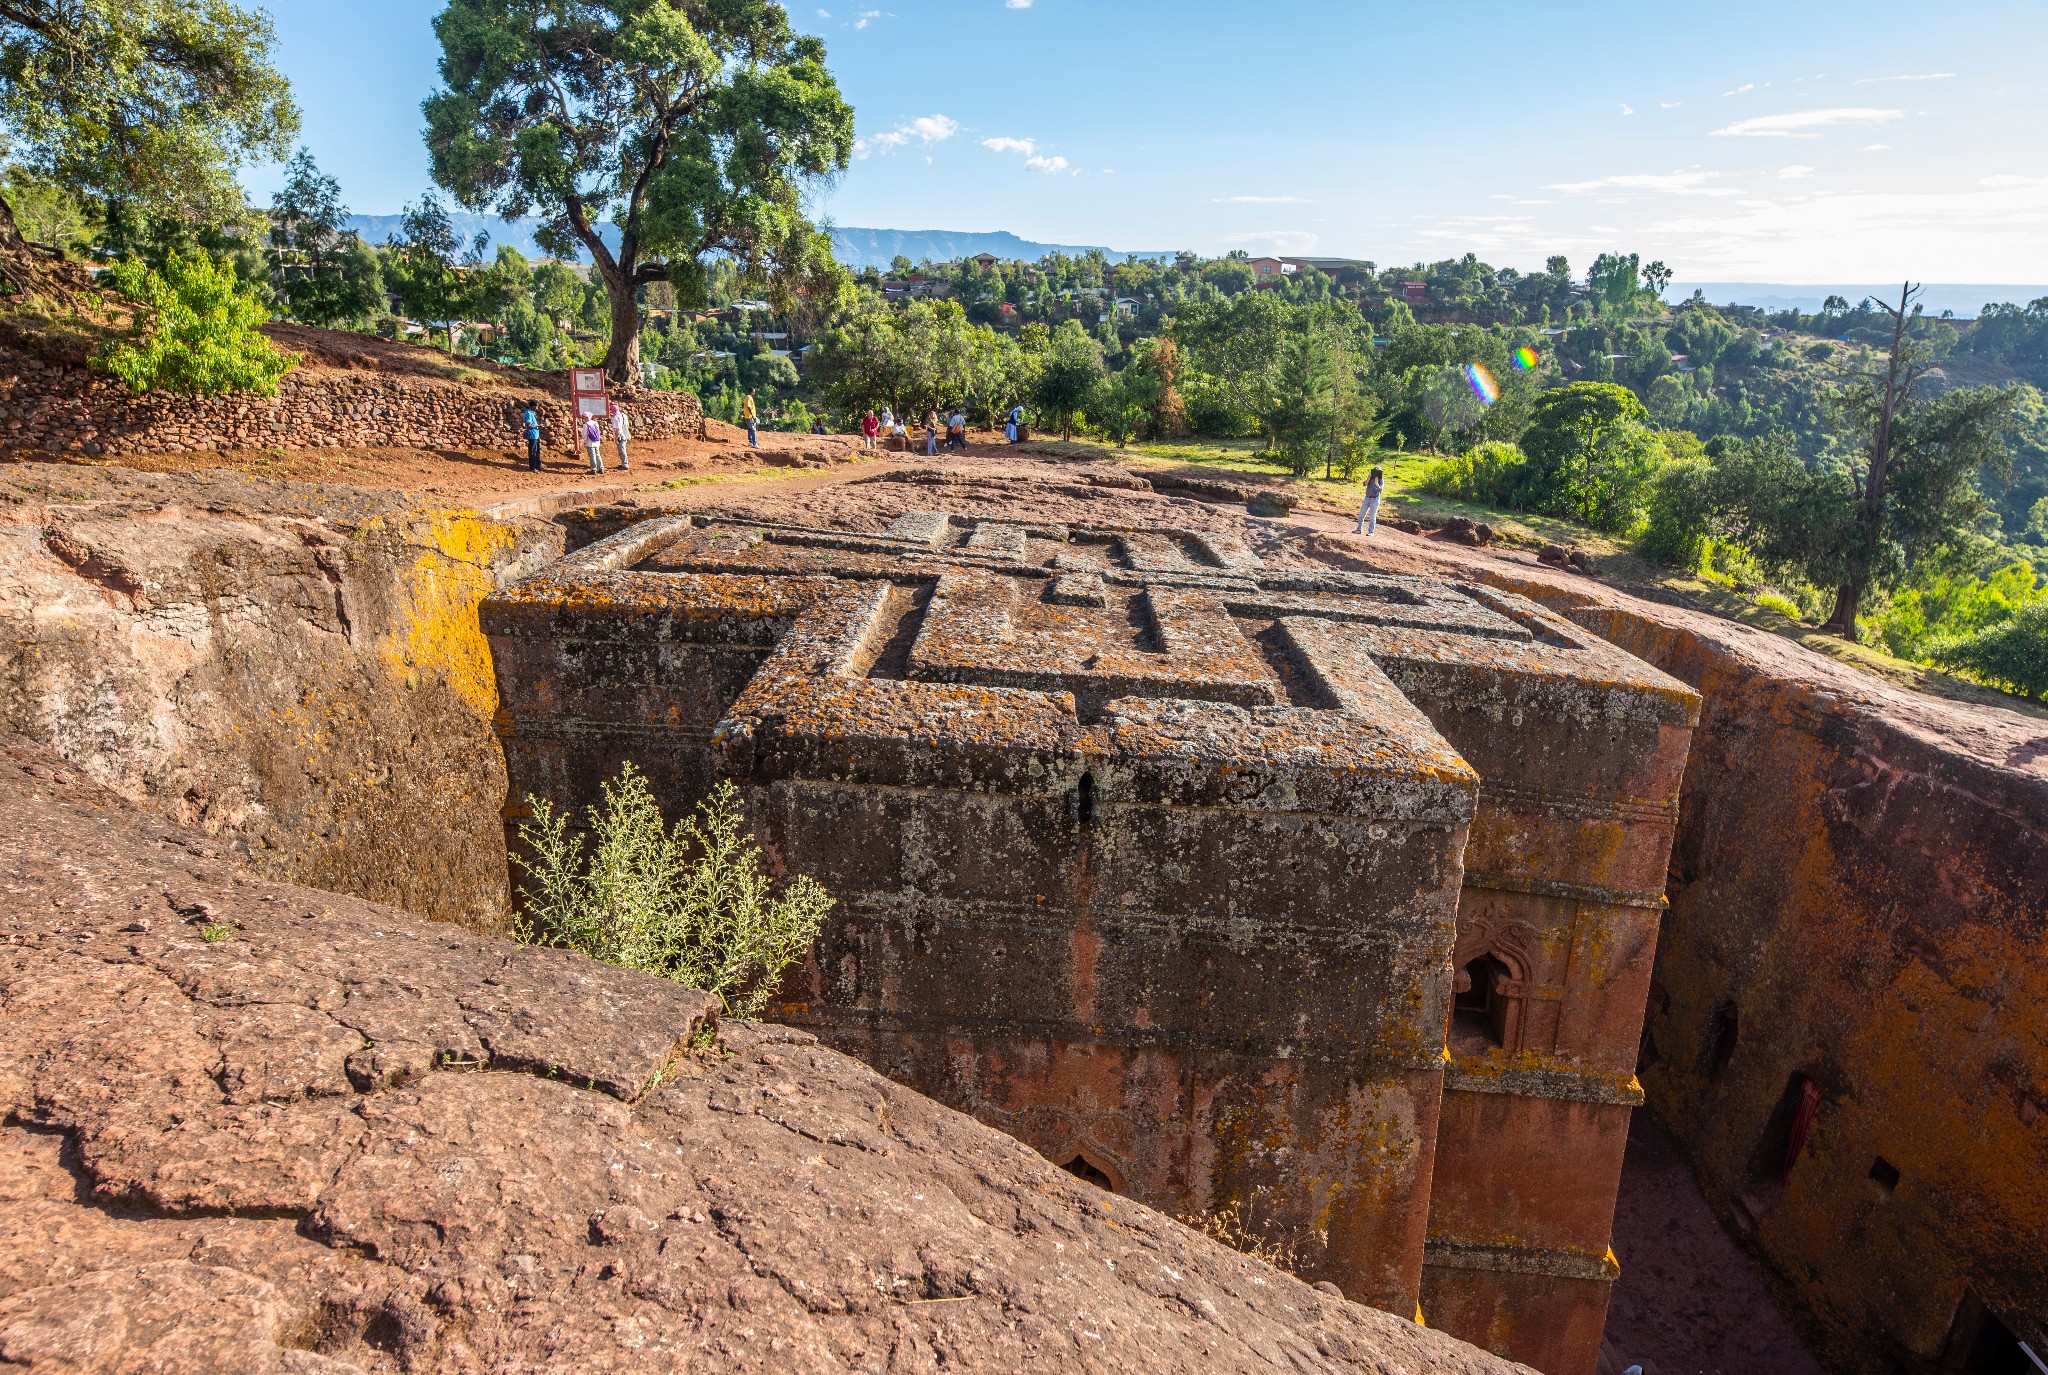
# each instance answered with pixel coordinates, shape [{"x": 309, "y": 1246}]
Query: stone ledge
[
  {"x": 1521, "y": 1260},
  {"x": 1471, "y": 1075}
]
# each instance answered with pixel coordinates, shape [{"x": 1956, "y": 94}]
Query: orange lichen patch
[{"x": 442, "y": 591}]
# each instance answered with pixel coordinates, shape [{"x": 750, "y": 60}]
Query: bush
[
  {"x": 692, "y": 904},
  {"x": 197, "y": 328},
  {"x": 1680, "y": 516},
  {"x": 1949, "y": 607},
  {"x": 2012, "y": 655},
  {"x": 1491, "y": 474},
  {"x": 1778, "y": 602}
]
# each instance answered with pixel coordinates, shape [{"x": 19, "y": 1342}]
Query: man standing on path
[
  {"x": 753, "y": 419},
  {"x": 622, "y": 433},
  {"x": 956, "y": 433},
  {"x": 593, "y": 440},
  {"x": 1369, "y": 509},
  {"x": 532, "y": 422},
  {"x": 869, "y": 428}
]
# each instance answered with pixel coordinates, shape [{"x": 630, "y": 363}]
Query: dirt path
[{"x": 787, "y": 462}]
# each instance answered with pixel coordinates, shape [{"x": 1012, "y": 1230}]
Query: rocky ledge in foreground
[{"x": 251, "y": 1127}]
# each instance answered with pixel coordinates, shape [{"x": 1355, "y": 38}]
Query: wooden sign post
[{"x": 587, "y": 386}]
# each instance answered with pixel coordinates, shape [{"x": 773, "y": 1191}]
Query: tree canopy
[
  {"x": 319, "y": 272},
  {"x": 150, "y": 102},
  {"x": 691, "y": 129}
]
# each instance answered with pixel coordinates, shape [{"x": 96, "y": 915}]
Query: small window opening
[
  {"x": 1980, "y": 1344},
  {"x": 1884, "y": 1174},
  {"x": 1080, "y": 1167},
  {"x": 1084, "y": 800},
  {"x": 1727, "y": 1033},
  {"x": 1480, "y": 1006}
]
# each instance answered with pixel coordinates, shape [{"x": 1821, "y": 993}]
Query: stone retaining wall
[{"x": 59, "y": 406}]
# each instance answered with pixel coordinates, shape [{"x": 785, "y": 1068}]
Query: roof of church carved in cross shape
[{"x": 963, "y": 647}]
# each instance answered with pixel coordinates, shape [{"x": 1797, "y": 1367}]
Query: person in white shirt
[{"x": 622, "y": 434}]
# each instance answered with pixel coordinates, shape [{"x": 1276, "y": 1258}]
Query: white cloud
[
  {"x": 1262, "y": 200},
  {"x": 1016, "y": 4},
  {"x": 1923, "y": 76},
  {"x": 1668, "y": 183},
  {"x": 927, "y": 129},
  {"x": 1035, "y": 160},
  {"x": 1669, "y": 104},
  {"x": 1625, "y": 109},
  {"x": 1803, "y": 123},
  {"x": 865, "y": 18},
  {"x": 1877, "y": 147},
  {"x": 1746, "y": 86},
  {"x": 1280, "y": 240},
  {"x": 2008, "y": 179},
  {"x": 1798, "y": 171}
]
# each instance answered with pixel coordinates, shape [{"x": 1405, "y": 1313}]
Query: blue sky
[{"x": 1795, "y": 141}]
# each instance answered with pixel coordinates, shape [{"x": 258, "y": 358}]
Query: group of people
[
  {"x": 592, "y": 433},
  {"x": 873, "y": 427},
  {"x": 876, "y": 427}
]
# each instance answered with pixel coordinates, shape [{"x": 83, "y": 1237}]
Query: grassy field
[{"x": 1618, "y": 563}]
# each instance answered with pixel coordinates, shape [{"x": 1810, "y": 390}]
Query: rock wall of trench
[
  {"x": 1859, "y": 898},
  {"x": 294, "y": 671}
]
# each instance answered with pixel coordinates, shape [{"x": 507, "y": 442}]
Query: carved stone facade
[{"x": 1321, "y": 899}]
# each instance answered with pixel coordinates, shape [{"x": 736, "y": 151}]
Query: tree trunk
[
  {"x": 22, "y": 264},
  {"x": 1842, "y": 620},
  {"x": 622, "y": 357}
]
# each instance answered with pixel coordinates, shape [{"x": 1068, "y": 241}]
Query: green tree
[
  {"x": 151, "y": 102},
  {"x": 425, "y": 267},
  {"x": 1591, "y": 455},
  {"x": 1071, "y": 373},
  {"x": 1613, "y": 282},
  {"x": 558, "y": 292},
  {"x": 694, "y": 129},
  {"x": 318, "y": 271},
  {"x": 1118, "y": 406},
  {"x": 1913, "y": 471},
  {"x": 195, "y": 331}
]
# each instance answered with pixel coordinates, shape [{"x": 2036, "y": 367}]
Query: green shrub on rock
[
  {"x": 195, "y": 330},
  {"x": 691, "y": 904}
]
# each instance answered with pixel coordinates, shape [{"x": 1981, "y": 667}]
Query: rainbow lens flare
[
  {"x": 1525, "y": 358},
  {"x": 1482, "y": 383}
]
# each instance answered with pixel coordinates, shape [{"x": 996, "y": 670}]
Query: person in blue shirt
[{"x": 532, "y": 439}]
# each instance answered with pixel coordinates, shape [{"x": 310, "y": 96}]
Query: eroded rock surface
[
  {"x": 251, "y": 1127},
  {"x": 294, "y": 670}
]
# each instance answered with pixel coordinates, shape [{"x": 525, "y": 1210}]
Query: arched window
[
  {"x": 1081, "y": 1167},
  {"x": 1485, "y": 1007}
]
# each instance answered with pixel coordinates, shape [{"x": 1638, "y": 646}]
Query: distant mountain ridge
[{"x": 857, "y": 248}]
